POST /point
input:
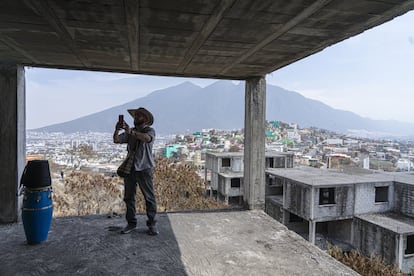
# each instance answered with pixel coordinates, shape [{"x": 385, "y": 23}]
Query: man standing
[{"x": 140, "y": 138}]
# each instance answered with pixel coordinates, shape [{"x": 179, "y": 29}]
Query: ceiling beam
[
  {"x": 208, "y": 28},
  {"x": 12, "y": 44},
  {"x": 43, "y": 9},
  {"x": 316, "y": 6},
  {"x": 375, "y": 21},
  {"x": 132, "y": 20},
  {"x": 388, "y": 15}
]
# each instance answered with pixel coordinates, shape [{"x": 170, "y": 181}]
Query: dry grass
[
  {"x": 367, "y": 266},
  {"x": 84, "y": 193},
  {"x": 177, "y": 187}
]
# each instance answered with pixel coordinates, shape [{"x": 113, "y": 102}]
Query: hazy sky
[{"x": 371, "y": 74}]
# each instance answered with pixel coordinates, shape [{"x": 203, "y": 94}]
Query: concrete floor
[{"x": 193, "y": 243}]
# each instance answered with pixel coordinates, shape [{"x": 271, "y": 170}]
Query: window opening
[
  {"x": 235, "y": 182},
  {"x": 381, "y": 194},
  {"x": 326, "y": 196},
  {"x": 271, "y": 163},
  {"x": 226, "y": 162},
  {"x": 410, "y": 245}
]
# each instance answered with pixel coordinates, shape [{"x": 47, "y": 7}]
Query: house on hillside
[
  {"x": 225, "y": 172},
  {"x": 356, "y": 209}
]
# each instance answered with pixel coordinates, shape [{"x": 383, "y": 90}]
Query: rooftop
[
  {"x": 404, "y": 177},
  {"x": 192, "y": 243},
  {"x": 394, "y": 222},
  {"x": 268, "y": 153},
  {"x": 320, "y": 177},
  {"x": 226, "y": 154}
]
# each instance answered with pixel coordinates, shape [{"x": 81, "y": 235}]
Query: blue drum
[{"x": 37, "y": 213}]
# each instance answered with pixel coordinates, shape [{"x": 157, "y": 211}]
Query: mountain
[{"x": 188, "y": 107}]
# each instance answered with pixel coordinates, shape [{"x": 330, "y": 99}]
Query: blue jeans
[{"x": 144, "y": 179}]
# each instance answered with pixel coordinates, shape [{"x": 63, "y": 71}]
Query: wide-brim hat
[{"x": 145, "y": 112}]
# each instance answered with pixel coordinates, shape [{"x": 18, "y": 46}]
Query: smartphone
[{"x": 121, "y": 118}]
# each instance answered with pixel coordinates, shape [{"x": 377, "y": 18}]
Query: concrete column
[
  {"x": 13, "y": 138},
  {"x": 312, "y": 203},
  {"x": 400, "y": 250},
  {"x": 254, "y": 143},
  {"x": 312, "y": 232},
  {"x": 206, "y": 181},
  {"x": 227, "y": 182},
  {"x": 286, "y": 216}
]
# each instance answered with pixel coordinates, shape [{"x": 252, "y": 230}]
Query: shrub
[
  {"x": 369, "y": 266},
  {"x": 177, "y": 187}
]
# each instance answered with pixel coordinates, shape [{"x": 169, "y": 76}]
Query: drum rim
[{"x": 38, "y": 189}]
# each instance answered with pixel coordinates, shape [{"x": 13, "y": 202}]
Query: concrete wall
[
  {"x": 370, "y": 238},
  {"x": 274, "y": 209},
  {"x": 225, "y": 189},
  {"x": 290, "y": 161},
  {"x": 13, "y": 138},
  {"x": 274, "y": 190},
  {"x": 340, "y": 230},
  {"x": 404, "y": 198},
  {"x": 209, "y": 161},
  {"x": 221, "y": 187},
  {"x": 343, "y": 207},
  {"x": 237, "y": 164},
  {"x": 297, "y": 198},
  {"x": 281, "y": 160},
  {"x": 214, "y": 181},
  {"x": 365, "y": 198},
  {"x": 214, "y": 163},
  {"x": 236, "y": 191},
  {"x": 407, "y": 263},
  {"x": 274, "y": 185},
  {"x": 221, "y": 183}
]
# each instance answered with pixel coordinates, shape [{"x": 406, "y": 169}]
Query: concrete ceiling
[{"x": 231, "y": 39}]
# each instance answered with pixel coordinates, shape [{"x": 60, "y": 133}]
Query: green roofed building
[{"x": 170, "y": 149}]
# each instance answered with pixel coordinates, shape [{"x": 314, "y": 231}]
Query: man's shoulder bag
[{"x": 125, "y": 168}]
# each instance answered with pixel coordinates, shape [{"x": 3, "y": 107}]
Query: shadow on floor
[{"x": 84, "y": 245}]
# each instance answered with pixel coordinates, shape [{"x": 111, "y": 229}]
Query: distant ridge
[{"x": 187, "y": 107}]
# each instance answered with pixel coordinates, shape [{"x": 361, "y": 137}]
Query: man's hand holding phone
[{"x": 121, "y": 124}]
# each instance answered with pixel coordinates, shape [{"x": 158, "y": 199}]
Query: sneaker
[
  {"x": 153, "y": 230},
  {"x": 128, "y": 229}
]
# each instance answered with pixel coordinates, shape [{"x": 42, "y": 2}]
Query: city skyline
[{"x": 369, "y": 74}]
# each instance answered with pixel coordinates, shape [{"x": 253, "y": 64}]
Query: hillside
[{"x": 187, "y": 108}]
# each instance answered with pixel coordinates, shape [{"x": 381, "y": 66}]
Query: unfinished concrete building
[
  {"x": 225, "y": 171},
  {"x": 358, "y": 209},
  {"x": 239, "y": 40},
  {"x": 232, "y": 39}
]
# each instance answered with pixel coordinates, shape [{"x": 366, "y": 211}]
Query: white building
[{"x": 225, "y": 170}]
